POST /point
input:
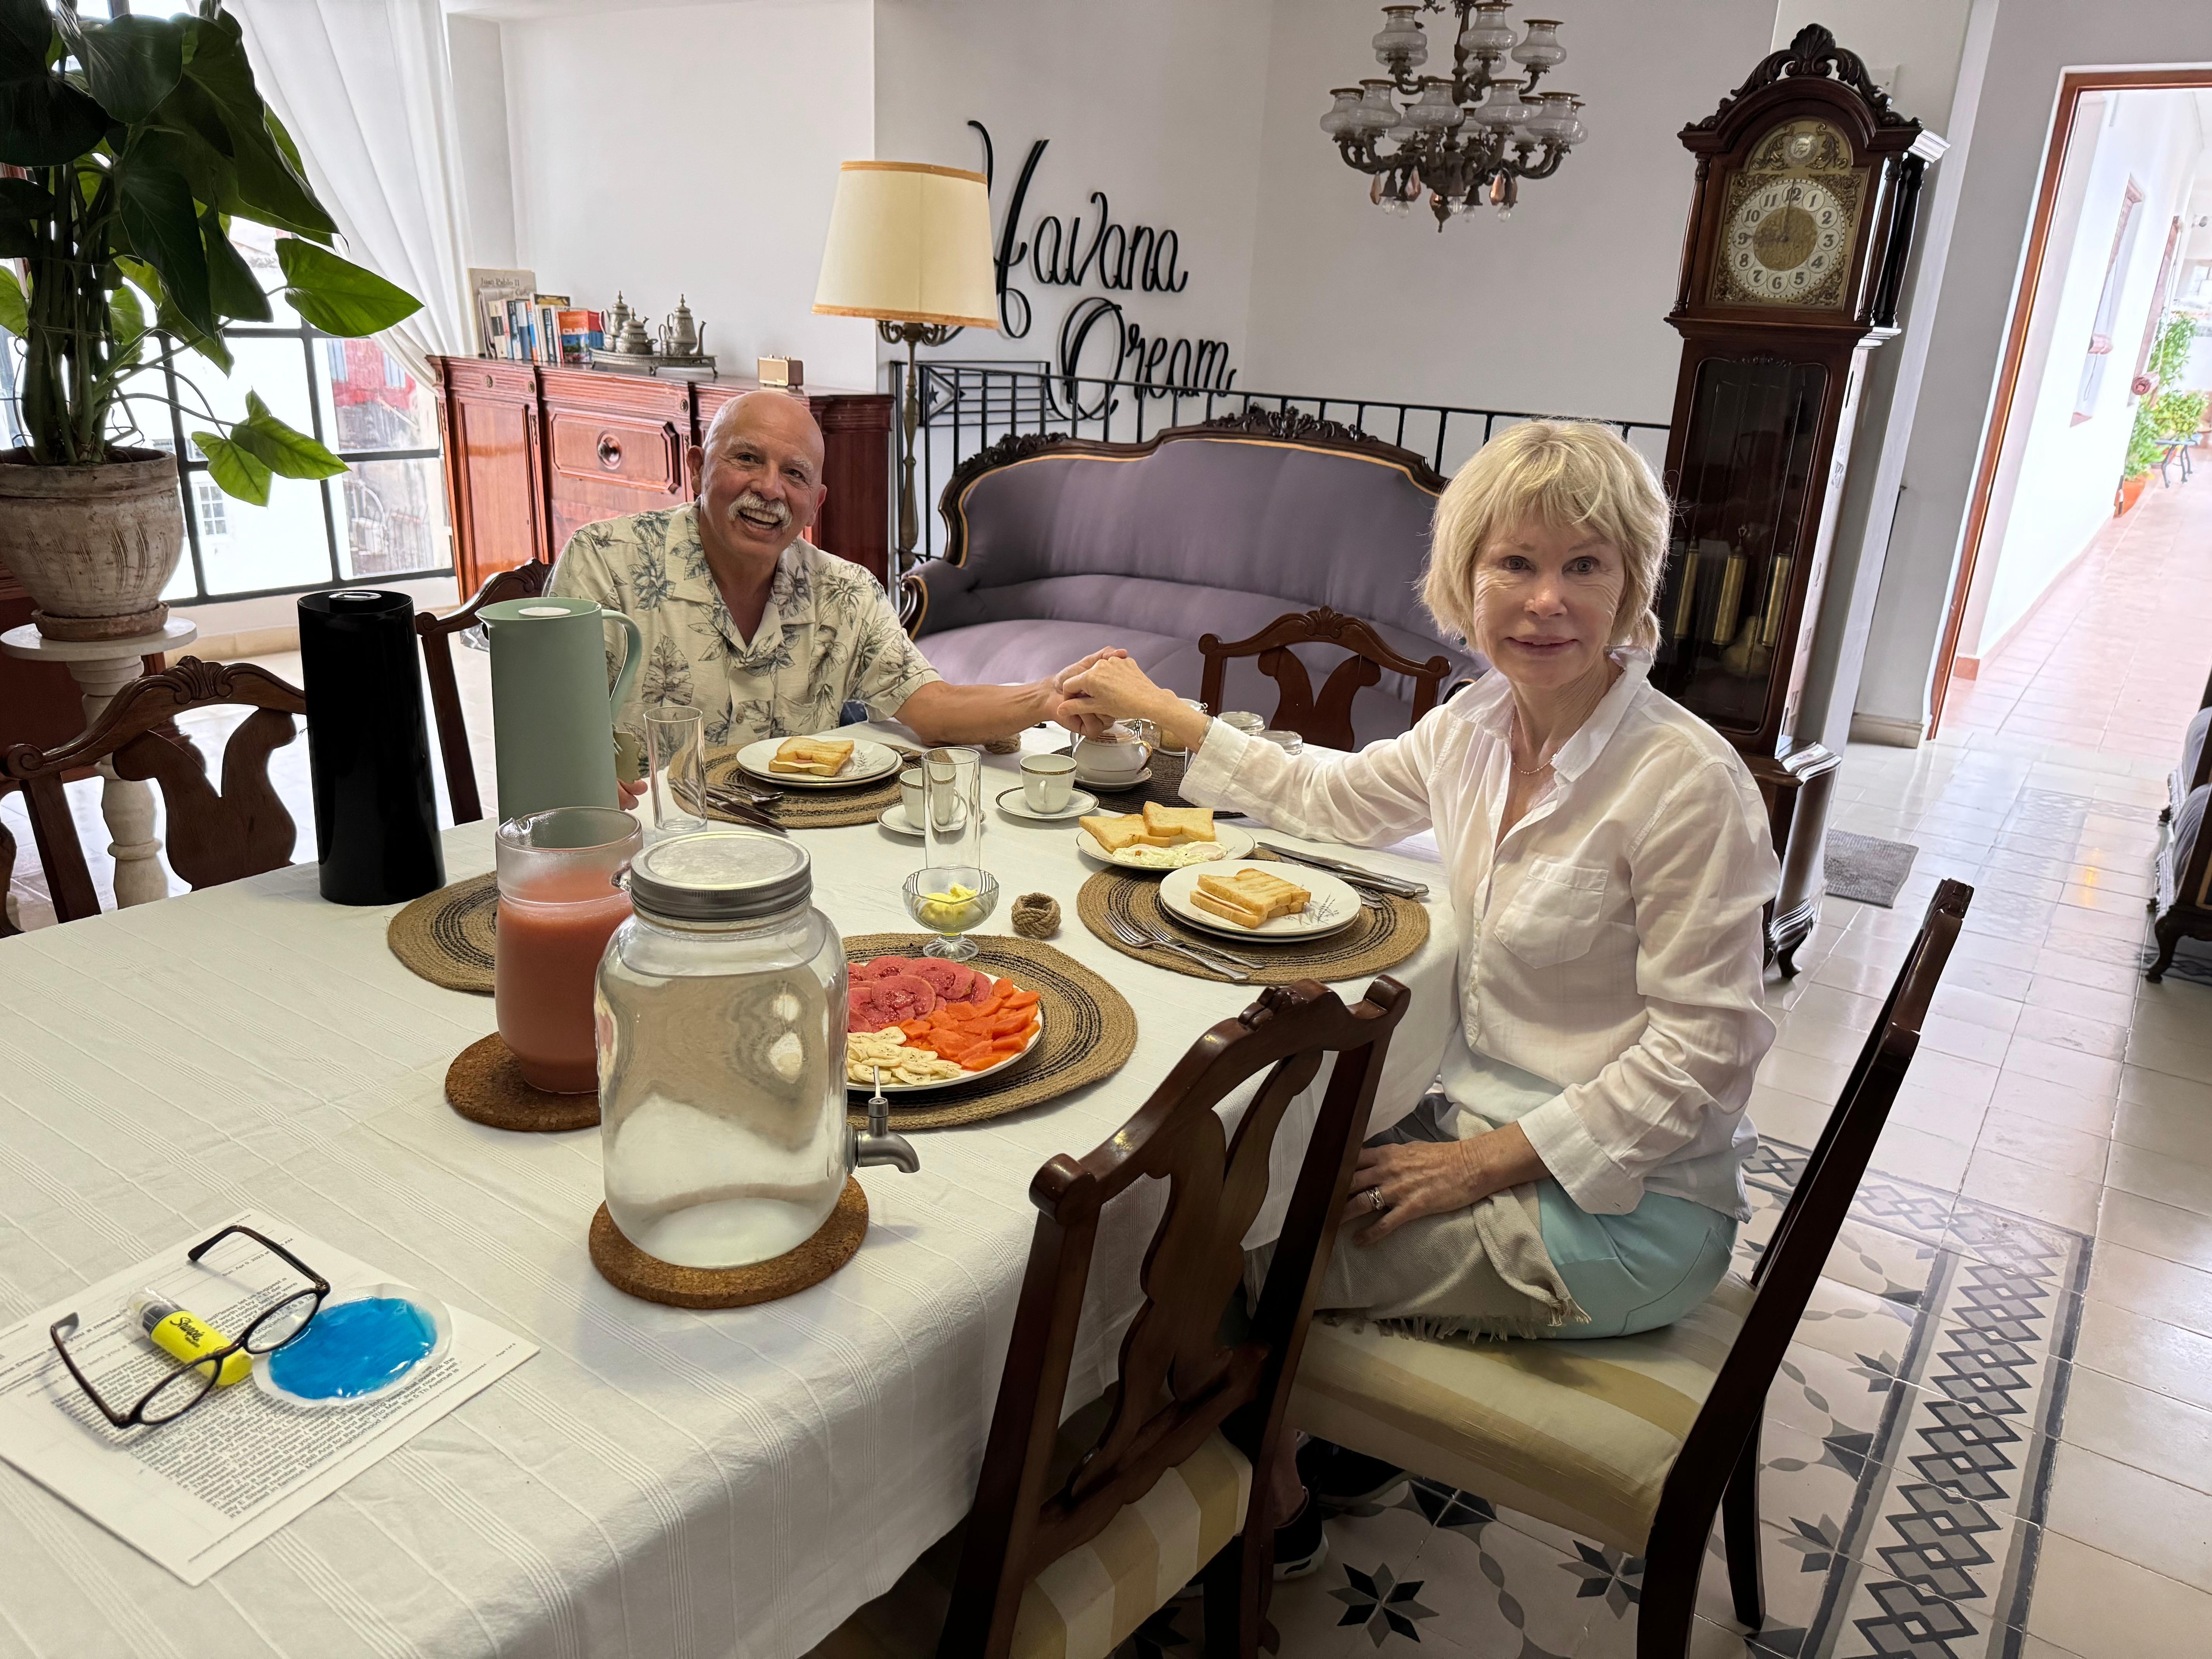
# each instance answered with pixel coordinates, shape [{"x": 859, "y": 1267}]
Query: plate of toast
[
  {"x": 818, "y": 763},
  {"x": 1160, "y": 838},
  {"x": 1244, "y": 899}
]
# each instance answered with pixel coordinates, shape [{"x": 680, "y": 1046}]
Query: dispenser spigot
[{"x": 878, "y": 1143}]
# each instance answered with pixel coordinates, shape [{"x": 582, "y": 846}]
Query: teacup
[
  {"x": 1116, "y": 755},
  {"x": 1047, "y": 782},
  {"x": 911, "y": 784}
]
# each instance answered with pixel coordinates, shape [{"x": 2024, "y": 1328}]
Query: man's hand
[
  {"x": 1082, "y": 724},
  {"x": 631, "y": 793},
  {"x": 1420, "y": 1178}
]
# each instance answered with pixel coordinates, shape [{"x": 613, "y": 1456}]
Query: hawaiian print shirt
[{"x": 828, "y": 635}]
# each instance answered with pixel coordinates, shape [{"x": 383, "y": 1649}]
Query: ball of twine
[
  {"x": 1037, "y": 915},
  {"x": 1004, "y": 745}
]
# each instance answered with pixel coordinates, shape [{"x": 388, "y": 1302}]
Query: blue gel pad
[{"x": 353, "y": 1349}]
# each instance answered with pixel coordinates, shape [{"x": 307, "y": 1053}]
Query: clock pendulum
[{"x": 1802, "y": 222}]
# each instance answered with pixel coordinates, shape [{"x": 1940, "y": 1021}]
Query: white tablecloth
[{"x": 654, "y": 1482}]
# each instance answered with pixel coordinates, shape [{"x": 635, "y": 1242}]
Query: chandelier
[{"x": 1463, "y": 137}]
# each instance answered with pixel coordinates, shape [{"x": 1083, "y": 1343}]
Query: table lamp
[{"x": 909, "y": 245}]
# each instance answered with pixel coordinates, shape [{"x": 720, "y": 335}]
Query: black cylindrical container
[{"x": 368, "y": 750}]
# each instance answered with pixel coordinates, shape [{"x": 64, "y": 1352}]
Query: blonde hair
[{"x": 1569, "y": 474}]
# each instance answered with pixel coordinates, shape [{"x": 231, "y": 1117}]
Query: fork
[{"x": 1130, "y": 935}]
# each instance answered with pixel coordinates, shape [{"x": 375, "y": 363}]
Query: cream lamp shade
[{"x": 909, "y": 243}]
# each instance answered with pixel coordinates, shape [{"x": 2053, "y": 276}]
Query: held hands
[
  {"x": 1424, "y": 1178},
  {"x": 1113, "y": 688}
]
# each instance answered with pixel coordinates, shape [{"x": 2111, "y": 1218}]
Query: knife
[{"x": 1351, "y": 872}]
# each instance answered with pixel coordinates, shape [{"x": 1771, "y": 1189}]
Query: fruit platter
[{"x": 924, "y": 1022}]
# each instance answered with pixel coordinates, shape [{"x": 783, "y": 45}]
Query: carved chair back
[
  {"x": 1326, "y": 719},
  {"x": 211, "y": 838},
  {"x": 1179, "y": 1381},
  {"x": 525, "y": 581}
]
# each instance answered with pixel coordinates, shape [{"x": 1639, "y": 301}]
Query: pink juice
[{"x": 551, "y": 935}]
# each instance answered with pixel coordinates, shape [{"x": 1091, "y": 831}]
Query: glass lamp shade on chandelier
[{"x": 1464, "y": 137}]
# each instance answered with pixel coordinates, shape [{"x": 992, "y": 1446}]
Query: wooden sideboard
[{"x": 533, "y": 451}]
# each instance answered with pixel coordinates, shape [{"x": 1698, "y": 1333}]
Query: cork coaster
[
  {"x": 1377, "y": 941},
  {"x": 485, "y": 1086},
  {"x": 807, "y": 809},
  {"x": 634, "y": 1273},
  {"x": 1089, "y": 1031},
  {"x": 447, "y": 937}
]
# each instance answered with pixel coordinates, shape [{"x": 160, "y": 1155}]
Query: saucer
[
  {"x": 895, "y": 819},
  {"x": 1079, "y": 802},
  {"x": 1116, "y": 785}
]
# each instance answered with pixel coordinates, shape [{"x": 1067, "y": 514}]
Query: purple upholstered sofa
[{"x": 1055, "y": 546}]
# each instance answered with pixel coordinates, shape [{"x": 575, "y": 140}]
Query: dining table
[{"x": 654, "y": 1481}]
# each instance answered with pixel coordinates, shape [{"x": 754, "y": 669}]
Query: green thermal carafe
[{"x": 552, "y": 715}]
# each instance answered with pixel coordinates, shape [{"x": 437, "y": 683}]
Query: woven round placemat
[
  {"x": 1089, "y": 1031},
  {"x": 1377, "y": 940},
  {"x": 634, "y": 1273},
  {"x": 485, "y": 1086},
  {"x": 807, "y": 809},
  {"x": 447, "y": 937}
]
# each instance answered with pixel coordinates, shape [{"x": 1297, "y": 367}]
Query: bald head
[{"x": 759, "y": 479}]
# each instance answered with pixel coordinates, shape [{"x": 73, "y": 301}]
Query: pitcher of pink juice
[{"x": 558, "y": 903}]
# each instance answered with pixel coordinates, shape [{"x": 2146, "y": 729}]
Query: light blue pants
[{"x": 1628, "y": 1272}]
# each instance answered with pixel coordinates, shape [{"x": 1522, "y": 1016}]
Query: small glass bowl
[{"x": 930, "y": 900}]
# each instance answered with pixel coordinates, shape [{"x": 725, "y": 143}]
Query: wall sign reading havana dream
[{"x": 1096, "y": 338}]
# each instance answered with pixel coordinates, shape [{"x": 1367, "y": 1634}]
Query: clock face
[{"x": 1792, "y": 220}]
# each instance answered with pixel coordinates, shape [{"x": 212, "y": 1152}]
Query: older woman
[{"x": 1577, "y": 1172}]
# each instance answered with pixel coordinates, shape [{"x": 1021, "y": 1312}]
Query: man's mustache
[{"x": 761, "y": 505}]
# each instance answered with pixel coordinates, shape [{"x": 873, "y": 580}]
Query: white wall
[
  {"x": 2056, "y": 493},
  {"x": 1562, "y": 308},
  {"x": 473, "y": 48},
  {"x": 694, "y": 149},
  {"x": 1157, "y": 103},
  {"x": 2032, "y": 43}
]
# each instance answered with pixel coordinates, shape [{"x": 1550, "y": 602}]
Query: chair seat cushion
[
  {"x": 1578, "y": 1433},
  {"x": 2192, "y": 751},
  {"x": 2173, "y": 862},
  {"x": 1092, "y": 1599}
]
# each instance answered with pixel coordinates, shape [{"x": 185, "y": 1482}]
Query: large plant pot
[
  {"x": 2131, "y": 491},
  {"x": 94, "y": 546}
]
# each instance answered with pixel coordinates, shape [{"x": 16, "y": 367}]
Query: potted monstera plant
[{"x": 132, "y": 147}]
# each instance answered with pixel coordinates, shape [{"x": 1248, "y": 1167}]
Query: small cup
[
  {"x": 1048, "y": 783},
  {"x": 911, "y": 784},
  {"x": 1289, "y": 742}
]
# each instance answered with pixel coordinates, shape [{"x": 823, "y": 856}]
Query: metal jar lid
[{"x": 720, "y": 875}]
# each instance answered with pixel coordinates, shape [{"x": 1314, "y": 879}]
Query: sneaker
[
  {"x": 1301, "y": 1546},
  {"x": 1341, "y": 1479}
]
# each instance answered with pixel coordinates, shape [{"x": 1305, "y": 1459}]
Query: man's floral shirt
[{"x": 828, "y": 635}]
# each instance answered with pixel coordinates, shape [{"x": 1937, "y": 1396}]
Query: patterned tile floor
[{"x": 1995, "y": 1434}]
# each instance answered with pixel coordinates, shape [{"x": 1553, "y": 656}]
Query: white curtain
[{"x": 365, "y": 89}]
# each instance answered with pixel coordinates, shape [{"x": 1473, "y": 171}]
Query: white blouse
[{"x": 1611, "y": 943}]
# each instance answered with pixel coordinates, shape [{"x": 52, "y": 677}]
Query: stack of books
[{"x": 542, "y": 329}]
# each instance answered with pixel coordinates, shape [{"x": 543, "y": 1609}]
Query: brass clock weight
[{"x": 1792, "y": 268}]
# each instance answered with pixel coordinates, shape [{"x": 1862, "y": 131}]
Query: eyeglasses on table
[{"x": 192, "y": 1382}]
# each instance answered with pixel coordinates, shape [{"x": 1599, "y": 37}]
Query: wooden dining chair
[
  {"x": 211, "y": 838},
  {"x": 525, "y": 581},
  {"x": 1326, "y": 719},
  {"x": 1077, "y": 1534},
  {"x": 1634, "y": 1442}
]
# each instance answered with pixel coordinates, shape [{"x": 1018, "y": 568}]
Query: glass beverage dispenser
[{"x": 721, "y": 1019}]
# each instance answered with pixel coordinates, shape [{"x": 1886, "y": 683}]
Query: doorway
[{"x": 2089, "y": 531}]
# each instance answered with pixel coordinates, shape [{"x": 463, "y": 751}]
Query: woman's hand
[
  {"x": 1115, "y": 689},
  {"x": 1420, "y": 1178}
]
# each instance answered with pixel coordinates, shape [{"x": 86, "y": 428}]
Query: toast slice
[
  {"x": 819, "y": 757},
  {"x": 1178, "y": 823},
  {"x": 1249, "y": 898},
  {"x": 1118, "y": 830}
]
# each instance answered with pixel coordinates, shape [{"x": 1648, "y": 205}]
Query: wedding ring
[{"x": 1375, "y": 1200}]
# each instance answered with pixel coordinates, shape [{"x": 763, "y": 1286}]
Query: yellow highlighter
[{"x": 186, "y": 1335}]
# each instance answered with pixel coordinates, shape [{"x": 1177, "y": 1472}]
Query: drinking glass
[
  {"x": 676, "y": 767},
  {"x": 558, "y": 901},
  {"x": 952, "y": 894}
]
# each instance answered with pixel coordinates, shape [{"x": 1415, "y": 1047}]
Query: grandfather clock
[{"x": 1798, "y": 236}]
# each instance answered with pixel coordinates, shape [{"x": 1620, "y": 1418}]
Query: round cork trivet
[
  {"x": 1089, "y": 1031},
  {"x": 1377, "y": 941},
  {"x": 485, "y": 1086},
  {"x": 634, "y": 1273},
  {"x": 806, "y": 809},
  {"x": 448, "y": 937}
]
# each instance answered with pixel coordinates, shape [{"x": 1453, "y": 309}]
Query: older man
[{"x": 745, "y": 619}]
